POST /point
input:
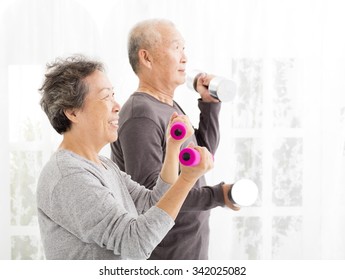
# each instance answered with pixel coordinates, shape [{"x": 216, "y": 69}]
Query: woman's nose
[{"x": 116, "y": 106}]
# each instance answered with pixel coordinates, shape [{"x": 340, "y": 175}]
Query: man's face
[{"x": 169, "y": 59}]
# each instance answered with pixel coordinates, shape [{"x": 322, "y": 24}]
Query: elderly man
[{"x": 156, "y": 54}]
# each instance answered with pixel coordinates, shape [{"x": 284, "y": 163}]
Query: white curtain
[{"x": 285, "y": 129}]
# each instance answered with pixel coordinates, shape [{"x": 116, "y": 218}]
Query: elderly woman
[{"x": 87, "y": 207}]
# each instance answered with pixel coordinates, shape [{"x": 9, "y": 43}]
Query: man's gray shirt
[{"x": 140, "y": 152}]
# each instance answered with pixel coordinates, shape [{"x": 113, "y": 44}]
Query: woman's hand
[
  {"x": 193, "y": 173},
  {"x": 185, "y": 127}
]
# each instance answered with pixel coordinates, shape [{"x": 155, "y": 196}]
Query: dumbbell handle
[
  {"x": 189, "y": 157},
  {"x": 178, "y": 130},
  {"x": 230, "y": 197}
]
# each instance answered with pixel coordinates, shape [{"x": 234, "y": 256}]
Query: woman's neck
[{"x": 80, "y": 148}]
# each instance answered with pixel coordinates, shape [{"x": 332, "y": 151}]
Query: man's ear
[
  {"x": 145, "y": 58},
  {"x": 71, "y": 114}
]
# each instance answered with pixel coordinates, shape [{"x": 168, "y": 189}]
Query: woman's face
[{"x": 99, "y": 115}]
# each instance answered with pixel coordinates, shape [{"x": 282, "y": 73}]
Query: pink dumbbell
[
  {"x": 178, "y": 130},
  {"x": 189, "y": 157}
]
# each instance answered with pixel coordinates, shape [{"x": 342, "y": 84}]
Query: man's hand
[
  {"x": 202, "y": 88},
  {"x": 229, "y": 203}
]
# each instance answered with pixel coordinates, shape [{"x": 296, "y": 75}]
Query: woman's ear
[
  {"x": 145, "y": 58},
  {"x": 71, "y": 114}
]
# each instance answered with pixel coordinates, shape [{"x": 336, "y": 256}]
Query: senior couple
[{"x": 141, "y": 204}]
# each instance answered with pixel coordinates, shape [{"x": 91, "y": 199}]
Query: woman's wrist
[{"x": 173, "y": 145}]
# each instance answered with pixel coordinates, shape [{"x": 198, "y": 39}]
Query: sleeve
[
  {"x": 208, "y": 134},
  {"x": 143, "y": 145},
  {"x": 204, "y": 198},
  {"x": 144, "y": 198},
  {"x": 89, "y": 210}
]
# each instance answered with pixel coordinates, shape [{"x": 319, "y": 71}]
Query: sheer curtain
[{"x": 285, "y": 129}]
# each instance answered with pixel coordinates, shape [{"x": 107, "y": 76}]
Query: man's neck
[{"x": 162, "y": 95}]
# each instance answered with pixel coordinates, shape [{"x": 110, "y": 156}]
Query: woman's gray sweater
[{"x": 86, "y": 211}]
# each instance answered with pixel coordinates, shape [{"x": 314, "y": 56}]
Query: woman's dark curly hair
[{"x": 64, "y": 88}]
